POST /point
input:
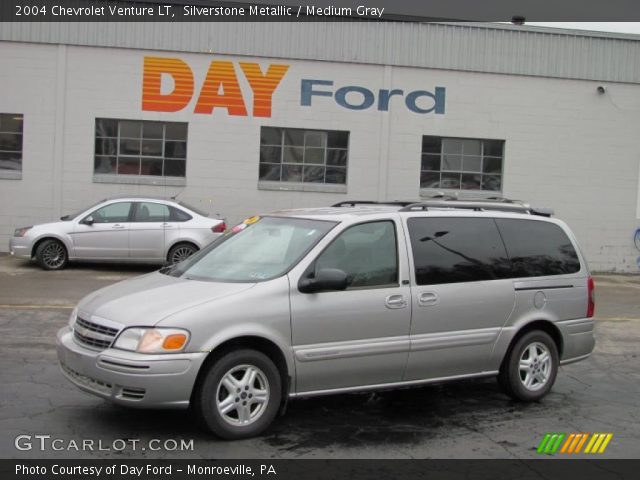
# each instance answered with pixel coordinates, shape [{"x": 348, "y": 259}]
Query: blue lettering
[
  {"x": 307, "y": 91},
  {"x": 384, "y": 96},
  {"x": 437, "y": 97},
  {"x": 367, "y": 97}
]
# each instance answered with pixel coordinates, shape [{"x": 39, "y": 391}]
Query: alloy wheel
[
  {"x": 182, "y": 253},
  {"x": 242, "y": 395},
  {"x": 535, "y": 366},
  {"x": 54, "y": 255}
]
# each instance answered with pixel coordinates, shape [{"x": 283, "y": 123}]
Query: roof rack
[
  {"x": 353, "y": 203},
  {"x": 490, "y": 203}
]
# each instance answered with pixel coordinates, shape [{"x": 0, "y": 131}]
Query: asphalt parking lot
[{"x": 472, "y": 419}]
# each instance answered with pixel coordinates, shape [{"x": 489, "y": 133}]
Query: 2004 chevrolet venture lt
[{"x": 358, "y": 296}]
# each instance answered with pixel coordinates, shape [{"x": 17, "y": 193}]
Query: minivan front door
[
  {"x": 461, "y": 296},
  {"x": 358, "y": 336}
]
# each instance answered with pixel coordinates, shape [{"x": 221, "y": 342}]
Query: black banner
[
  {"x": 123, "y": 469},
  {"x": 318, "y": 10}
]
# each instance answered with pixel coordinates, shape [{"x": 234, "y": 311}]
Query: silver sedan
[{"x": 123, "y": 229}]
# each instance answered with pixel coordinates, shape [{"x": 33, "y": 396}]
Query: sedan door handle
[
  {"x": 117, "y": 226},
  {"x": 166, "y": 225},
  {"x": 395, "y": 301},
  {"x": 428, "y": 298}
]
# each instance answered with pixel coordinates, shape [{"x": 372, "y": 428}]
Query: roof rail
[
  {"x": 491, "y": 203},
  {"x": 353, "y": 203}
]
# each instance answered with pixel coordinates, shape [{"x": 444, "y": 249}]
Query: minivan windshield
[{"x": 252, "y": 252}]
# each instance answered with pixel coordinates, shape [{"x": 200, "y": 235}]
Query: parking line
[
  {"x": 38, "y": 307},
  {"x": 618, "y": 318}
]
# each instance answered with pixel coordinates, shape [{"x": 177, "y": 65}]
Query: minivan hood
[{"x": 146, "y": 300}]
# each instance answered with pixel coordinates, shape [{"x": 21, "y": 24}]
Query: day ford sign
[
  {"x": 354, "y": 97},
  {"x": 221, "y": 90}
]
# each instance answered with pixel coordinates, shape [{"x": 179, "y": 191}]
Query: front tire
[
  {"x": 239, "y": 395},
  {"x": 530, "y": 368},
  {"x": 52, "y": 255}
]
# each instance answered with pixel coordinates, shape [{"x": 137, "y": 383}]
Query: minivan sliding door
[{"x": 461, "y": 296}]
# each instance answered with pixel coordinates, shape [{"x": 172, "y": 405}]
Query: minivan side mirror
[
  {"x": 326, "y": 279},
  {"x": 88, "y": 220}
]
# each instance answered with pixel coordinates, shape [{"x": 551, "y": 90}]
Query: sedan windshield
[{"x": 264, "y": 249}]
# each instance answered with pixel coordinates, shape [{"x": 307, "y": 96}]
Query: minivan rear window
[
  {"x": 537, "y": 248},
  {"x": 453, "y": 250}
]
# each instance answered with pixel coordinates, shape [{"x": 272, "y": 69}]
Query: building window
[
  {"x": 461, "y": 163},
  {"x": 303, "y": 156},
  {"x": 11, "y": 141},
  {"x": 134, "y": 147}
]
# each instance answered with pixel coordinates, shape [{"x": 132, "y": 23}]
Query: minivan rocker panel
[{"x": 318, "y": 301}]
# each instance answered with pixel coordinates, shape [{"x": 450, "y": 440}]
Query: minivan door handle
[
  {"x": 428, "y": 298},
  {"x": 395, "y": 301},
  {"x": 117, "y": 226}
]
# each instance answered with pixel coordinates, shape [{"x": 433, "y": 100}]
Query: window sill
[
  {"x": 10, "y": 175},
  {"x": 140, "y": 180},
  {"x": 301, "y": 187},
  {"x": 462, "y": 194}
]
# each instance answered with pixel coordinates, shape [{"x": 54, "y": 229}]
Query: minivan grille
[{"x": 93, "y": 335}]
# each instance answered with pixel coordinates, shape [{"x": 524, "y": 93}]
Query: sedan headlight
[
  {"x": 21, "y": 232},
  {"x": 152, "y": 340}
]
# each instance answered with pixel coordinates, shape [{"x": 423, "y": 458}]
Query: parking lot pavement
[{"x": 472, "y": 419}]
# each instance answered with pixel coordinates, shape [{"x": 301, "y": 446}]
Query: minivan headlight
[{"x": 152, "y": 340}]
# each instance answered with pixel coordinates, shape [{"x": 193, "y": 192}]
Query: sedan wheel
[
  {"x": 52, "y": 255},
  {"x": 181, "y": 252}
]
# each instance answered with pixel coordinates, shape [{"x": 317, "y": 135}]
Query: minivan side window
[
  {"x": 453, "y": 250},
  {"x": 538, "y": 248},
  {"x": 367, "y": 253}
]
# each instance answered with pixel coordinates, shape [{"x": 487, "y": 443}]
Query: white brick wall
[{"x": 566, "y": 146}]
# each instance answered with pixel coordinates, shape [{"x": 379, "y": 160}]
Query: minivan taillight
[
  {"x": 591, "y": 305},
  {"x": 219, "y": 228}
]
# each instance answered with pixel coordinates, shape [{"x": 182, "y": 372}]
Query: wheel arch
[
  {"x": 253, "y": 342},
  {"x": 546, "y": 326},
  {"x": 45, "y": 237}
]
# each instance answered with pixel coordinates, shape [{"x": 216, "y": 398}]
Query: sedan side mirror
[
  {"x": 325, "y": 280},
  {"x": 88, "y": 220}
]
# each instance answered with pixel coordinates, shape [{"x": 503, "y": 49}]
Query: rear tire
[
  {"x": 530, "y": 367},
  {"x": 239, "y": 395},
  {"x": 51, "y": 254},
  {"x": 180, "y": 252}
]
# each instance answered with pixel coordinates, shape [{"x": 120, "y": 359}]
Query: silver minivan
[{"x": 359, "y": 296}]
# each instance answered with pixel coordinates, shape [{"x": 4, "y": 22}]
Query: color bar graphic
[{"x": 574, "y": 442}]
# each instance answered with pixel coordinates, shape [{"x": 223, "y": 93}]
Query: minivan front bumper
[{"x": 130, "y": 378}]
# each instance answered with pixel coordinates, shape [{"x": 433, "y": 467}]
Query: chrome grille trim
[
  {"x": 93, "y": 335},
  {"x": 94, "y": 327}
]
